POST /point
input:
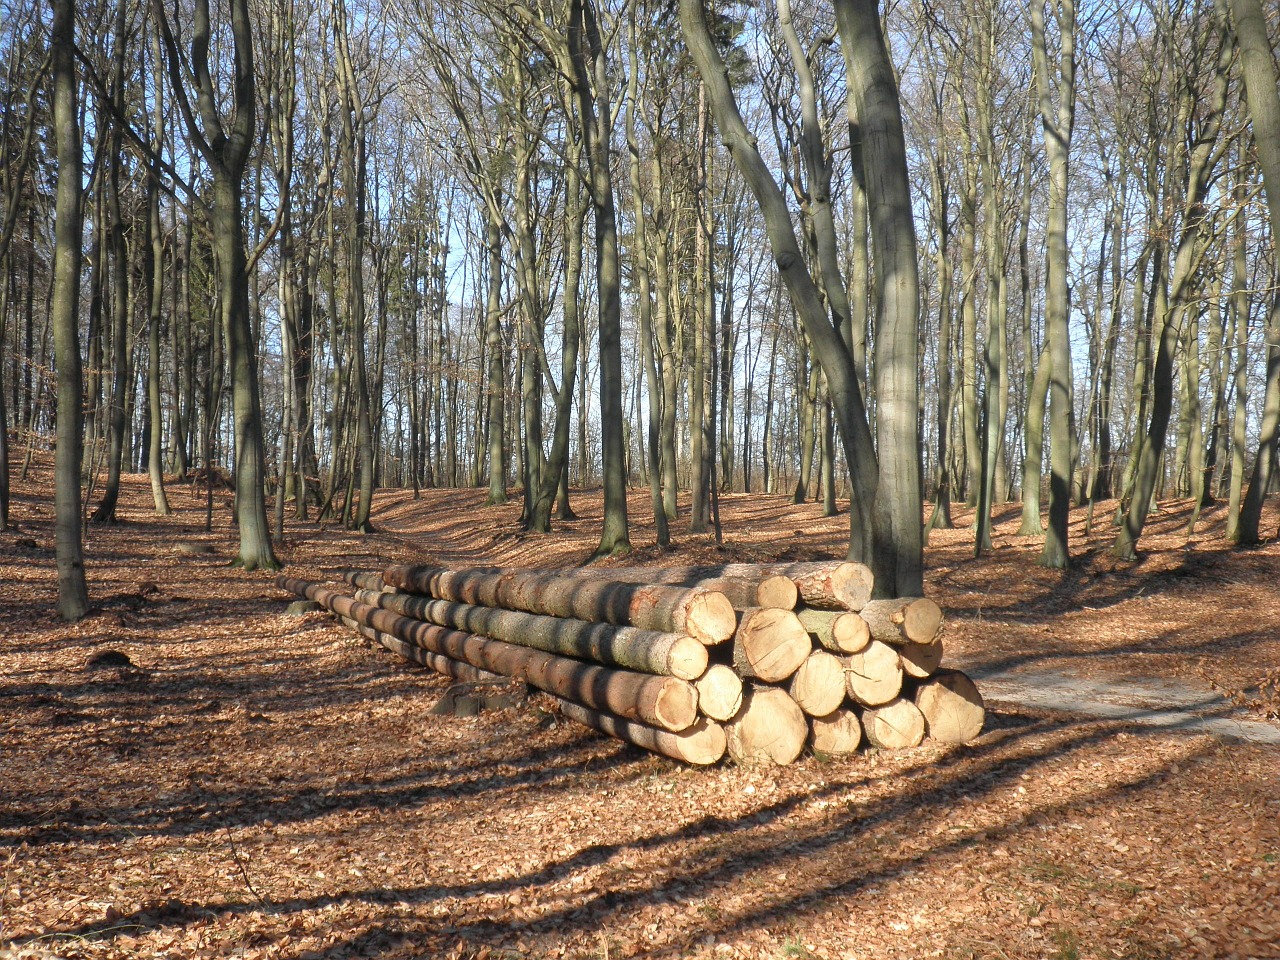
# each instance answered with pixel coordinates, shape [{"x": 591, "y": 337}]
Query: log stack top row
[{"x": 691, "y": 662}]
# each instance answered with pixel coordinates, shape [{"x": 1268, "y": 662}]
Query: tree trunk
[
  {"x": 1259, "y": 69},
  {"x": 73, "y": 595},
  {"x": 1057, "y": 126}
]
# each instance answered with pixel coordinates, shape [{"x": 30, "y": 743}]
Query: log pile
[{"x": 757, "y": 661}]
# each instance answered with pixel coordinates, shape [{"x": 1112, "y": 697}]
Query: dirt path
[{"x": 1169, "y": 704}]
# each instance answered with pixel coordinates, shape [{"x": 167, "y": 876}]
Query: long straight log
[
  {"x": 702, "y": 743},
  {"x": 770, "y": 644},
  {"x": 705, "y": 615},
  {"x": 433, "y": 661},
  {"x": 648, "y": 651},
  {"x": 365, "y": 579},
  {"x": 826, "y": 584},
  {"x": 657, "y": 701},
  {"x": 837, "y": 630},
  {"x": 906, "y": 620}
]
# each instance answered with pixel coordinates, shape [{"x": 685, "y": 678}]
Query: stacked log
[{"x": 689, "y": 662}]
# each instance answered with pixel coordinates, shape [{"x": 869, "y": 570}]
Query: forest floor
[{"x": 254, "y": 786}]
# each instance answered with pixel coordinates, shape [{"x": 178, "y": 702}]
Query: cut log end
[
  {"x": 711, "y": 618},
  {"x": 719, "y": 692},
  {"x": 952, "y": 707},
  {"x": 778, "y": 592},
  {"x": 770, "y": 728},
  {"x": 687, "y": 659},
  {"x": 905, "y": 620},
  {"x": 921, "y": 660},
  {"x": 818, "y": 687},
  {"x": 921, "y": 620},
  {"x": 770, "y": 644},
  {"x": 895, "y": 726},
  {"x": 874, "y": 676},
  {"x": 852, "y": 584},
  {"x": 837, "y": 734},
  {"x": 676, "y": 705}
]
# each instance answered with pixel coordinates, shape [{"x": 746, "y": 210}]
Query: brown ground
[{"x": 256, "y": 786}]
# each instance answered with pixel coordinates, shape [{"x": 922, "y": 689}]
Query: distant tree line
[{"x": 968, "y": 252}]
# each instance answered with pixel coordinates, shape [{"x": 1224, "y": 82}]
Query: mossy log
[
  {"x": 905, "y": 620},
  {"x": 837, "y": 630},
  {"x": 648, "y": 651},
  {"x": 705, "y": 615},
  {"x": 665, "y": 702},
  {"x": 703, "y": 743}
]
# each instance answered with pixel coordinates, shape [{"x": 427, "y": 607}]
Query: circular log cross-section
[
  {"x": 770, "y": 644},
  {"x": 952, "y": 707},
  {"x": 837, "y": 734},
  {"x": 874, "y": 676},
  {"x": 769, "y": 728},
  {"x": 905, "y": 620},
  {"x": 921, "y": 660},
  {"x": 777, "y": 591},
  {"x": 818, "y": 687},
  {"x": 836, "y": 630},
  {"x": 719, "y": 692},
  {"x": 895, "y": 726}
]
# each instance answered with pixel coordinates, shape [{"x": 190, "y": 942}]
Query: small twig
[{"x": 244, "y": 873}]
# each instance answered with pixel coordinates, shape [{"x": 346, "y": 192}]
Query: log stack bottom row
[{"x": 754, "y": 661}]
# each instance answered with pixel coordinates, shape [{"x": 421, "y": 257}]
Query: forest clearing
[{"x": 251, "y": 785}]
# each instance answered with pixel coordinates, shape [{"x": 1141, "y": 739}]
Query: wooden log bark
[
  {"x": 705, "y": 615},
  {"x": 896, "y": 725},
  {"x": 777, "y": 591},
  {"x": 905, "y": 620},
  {"x": 827, "y": 584},
  {"x": 834, "y": 586},
  {"x": 837, "y": 630},
  {"x": 874, "y": 676},
  {"x": 664, "y": 702},
  {"x": 952, "y": 707},
  {"x": 703, "y": 743},
  {"x": 719, "y": 692},
  {"x": 818, "y": 686},
  {"x": 365, "y": 579},
  {"x": 837, "y": 734},
  {"x": 920, "y": 660},
  {"x": 769, "y": 644},
  {"x": 648, "y": 651},
  {"x": 770, "y": 728},
  {"x": 432, "y": 661}
]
